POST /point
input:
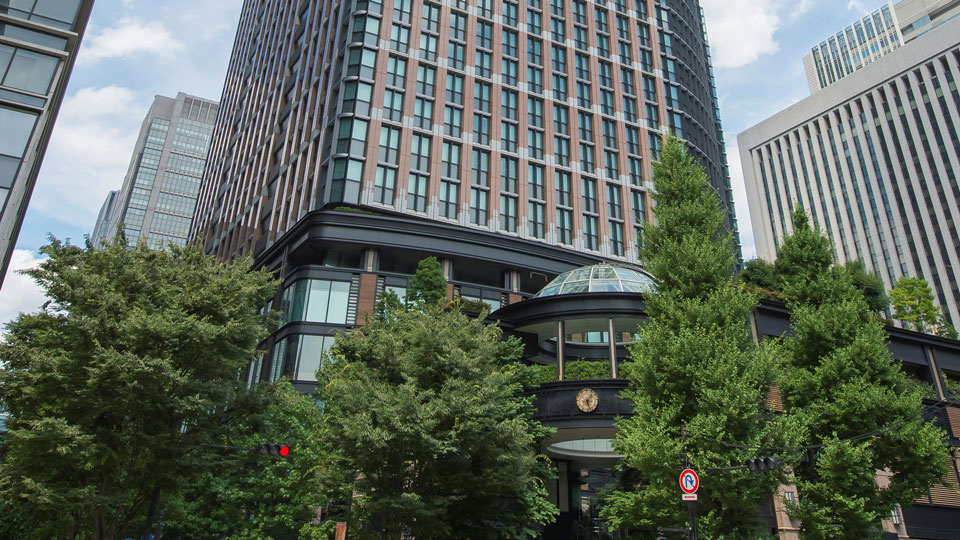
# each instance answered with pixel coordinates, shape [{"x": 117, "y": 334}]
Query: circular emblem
[{"x": 587, "y": 400}]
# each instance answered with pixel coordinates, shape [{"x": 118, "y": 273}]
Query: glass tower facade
[
  {"x": 857, "y": 45},
  {"x": 534, "y": 119},
  {"x": 159, "y": 194},
  {"x": 39, "y": 40}
]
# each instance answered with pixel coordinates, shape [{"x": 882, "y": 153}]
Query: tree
[
  {"x": 870, "y": 284},
  {"x": 913, "y": 303},
  {"x": 694, "y": 368},
  {"x": 760, "y": 274},
  {"x": 115, "y": 383},
  {"x": 805, "y": 256},
  {"x": 427, "y": 285},
  {"x": 424, "y": 408},
  {"x": 243, "y": 495},
  {"x": 852, "y": 400}
]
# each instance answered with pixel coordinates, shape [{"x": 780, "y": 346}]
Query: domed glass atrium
[{"x": 599, "y": 278}]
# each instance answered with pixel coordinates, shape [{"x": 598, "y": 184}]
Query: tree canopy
[
  {"x": 913, "y": 304},
  {"x": 427, "y": 286},
  {"x": 113, "y": 386},
  {"x": 424, "y": 409},
  {"x": 851, "y": 399},
  {"x": 243, "y": 495},
  {"x": 694, "y": 368}
]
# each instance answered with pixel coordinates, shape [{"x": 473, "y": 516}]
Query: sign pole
[
  {"x": 692, "y": 504},
  {"x": 692, "y": 511}
]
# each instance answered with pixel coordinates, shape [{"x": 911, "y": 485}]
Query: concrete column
[
  {"x": 561, "y": 339},
  {"x": 612, "y": 338}
]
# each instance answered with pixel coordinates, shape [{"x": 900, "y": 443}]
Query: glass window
[
  {"x": 15, "y": 130},
  {"x": 57, "y": 13},
  {"x": 30, "y": 71},
  {"x": 316, "y": 300},
  {"x": 449, "y": 194}
]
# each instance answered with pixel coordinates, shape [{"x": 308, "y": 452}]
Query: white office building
[{"x": 873, "y": 158}]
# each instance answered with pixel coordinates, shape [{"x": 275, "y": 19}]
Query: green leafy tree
[
  {"x": 425, "y": 409},
  {"x": 947, "y": 330},
  {"x": 913, "y": 303},
  {"x": 870, "y": 284},
  {"x": 850, "y": 396},
  {"x": 694, "y": 366},
  {"x": 759, "y": 273},
  {"x": 242, "y": 495},
  {"x": 427, "y": 285},
  {"x": 112, "y": 387}
]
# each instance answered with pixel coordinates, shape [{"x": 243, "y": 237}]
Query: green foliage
[
  {"x": 760, "y": 274},
  {"x": 870, "y": 285},
  {"x": 913, "y": 304},
  {"x": 425, "y": 409},
  {"x": 690, "y": 251},
  {"x": 946, "y": 330},
  {"x": 242, "y": 495},
  {"x": 112, "y": 387},
  {"x": 807, "y": 254},
  {"x": 387, "y": 304},
  {"x": 427, "y": 286},
  {"x": 574, "y": 370},
  {"x": 841, "y": 382},
  {"x": 694, "y": 366},
  {"x": 951, "y": 384}
]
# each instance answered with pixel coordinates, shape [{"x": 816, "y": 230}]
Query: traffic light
[
  {"x": 764, "y": 464},
  {"x": 273, "y": 449}
]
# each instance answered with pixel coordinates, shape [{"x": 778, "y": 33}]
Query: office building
[
  {"x": 875, "y": 35},
  {"x": 532, "y": 120},
  {"x": 511, "y": 139},
  {"x": 159, "y": 194},
  {"x": 874, "y": 160},
  {"x": 39, "y": 40},
  {"x": 104, "y": 218}
]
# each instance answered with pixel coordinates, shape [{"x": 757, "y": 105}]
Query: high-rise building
[
  {"x": 159, "y": 194},
  {"x": 39, "y": 40},
  {"x": 874, "y": 160},
  {"x": 102, "y": 227},
  {"x": 875, "y": 35},
  {"x": 531, "y": 120}
]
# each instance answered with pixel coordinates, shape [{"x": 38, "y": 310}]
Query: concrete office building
[
  {"x": 159, "y": 194},
  {"x": 104, "y": 218},
  {"x": 39, "y": 40},
  {"x": 874, "y": 160},
  {"x": 875, "y": 35}
]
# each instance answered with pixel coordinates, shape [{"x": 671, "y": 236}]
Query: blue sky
[{"x": 135, "y": 49}]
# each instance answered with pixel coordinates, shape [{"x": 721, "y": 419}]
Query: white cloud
[
  {"x": 89, "y": 153},
  {"x": 19, "y": 293},
  {"x": 741, "y": 31},
  {"x": 129, "y": 37},
  {"x": 861, "y": 6}
]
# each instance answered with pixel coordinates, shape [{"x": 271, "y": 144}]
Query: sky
[{"x": 136, "y": 49}]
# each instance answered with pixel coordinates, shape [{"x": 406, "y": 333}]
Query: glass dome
[{"x": 599, "y": 278}]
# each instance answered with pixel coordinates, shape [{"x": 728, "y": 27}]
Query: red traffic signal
[{"x": 273, "y": 449}]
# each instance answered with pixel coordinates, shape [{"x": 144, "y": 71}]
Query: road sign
[
  {"x": 689, "y": 497},
  {"x": 689, "y": 481}
]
